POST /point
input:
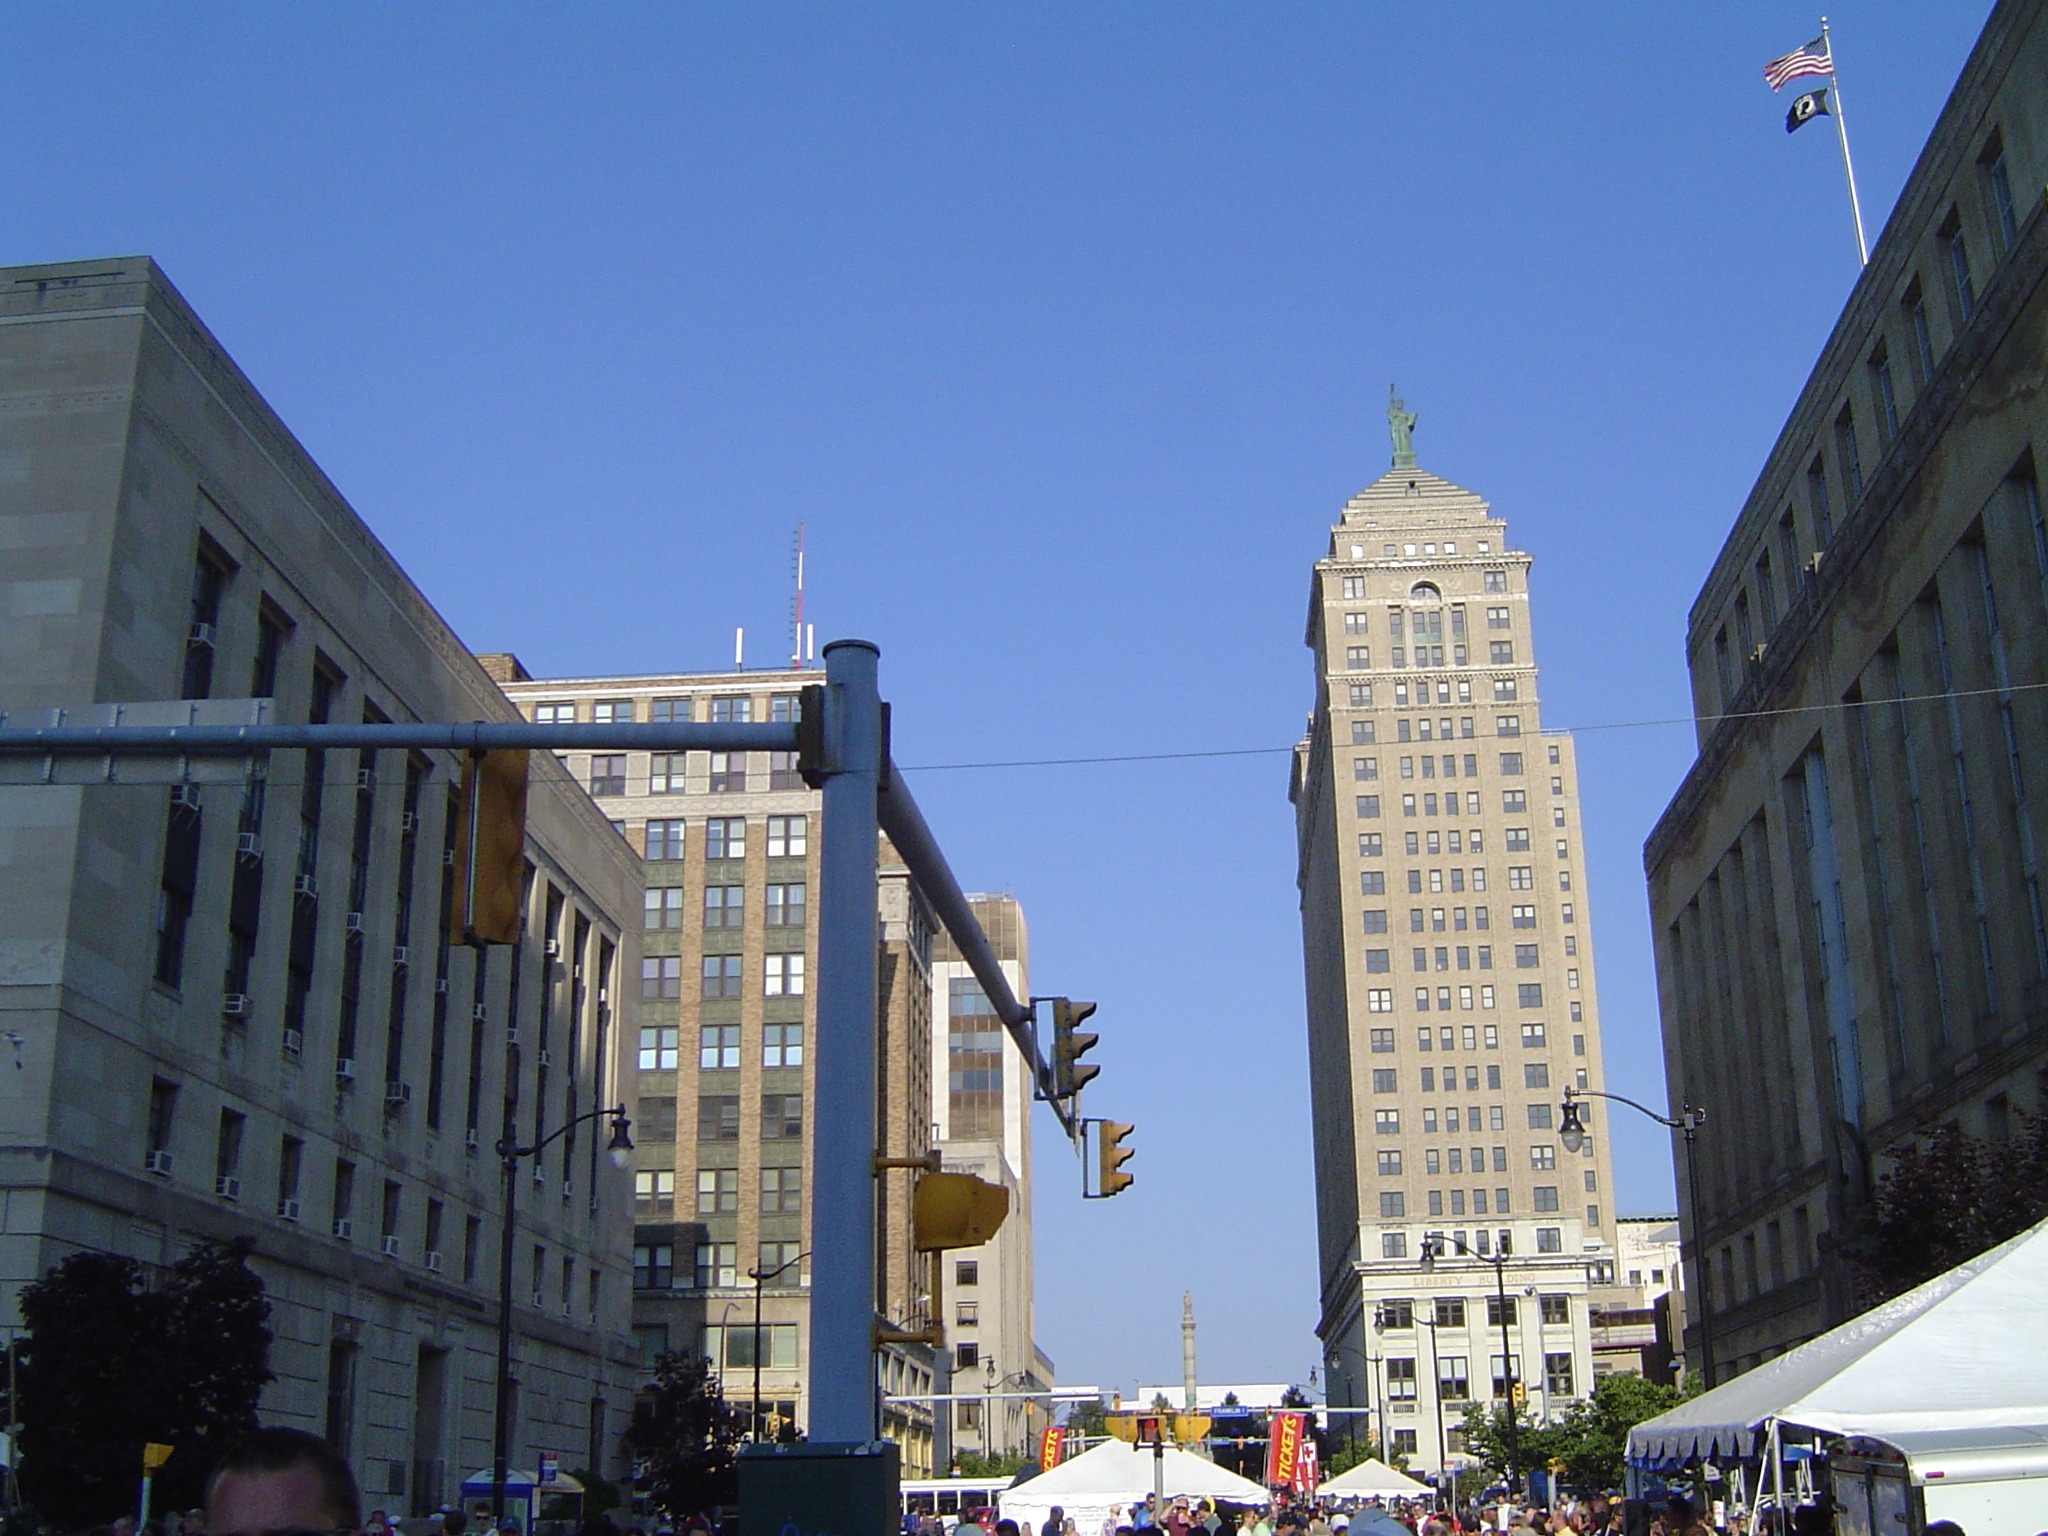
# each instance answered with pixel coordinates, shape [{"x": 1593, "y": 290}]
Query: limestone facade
[
  {"x": 236, "y": 1008},
  {"x": 1845, "y": 890}
]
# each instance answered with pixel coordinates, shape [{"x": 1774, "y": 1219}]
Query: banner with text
[
  {"x": 1052, "y": 1445},
  {"x": 1283, "y": 1448}
]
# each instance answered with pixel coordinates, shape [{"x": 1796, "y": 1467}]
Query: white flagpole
[{"x": 1842, "y": 132}]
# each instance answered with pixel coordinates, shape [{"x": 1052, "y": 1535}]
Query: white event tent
[
  {"x": 1370, "y": 1479},
  {"x": 1940, "y": 1372},
  {"x": 1114, "y": 1474}
]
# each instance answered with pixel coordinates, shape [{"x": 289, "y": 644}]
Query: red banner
[
  {"x": 1052, "y": 1445},
  {"x": 1283, "y": 1448},
  {"x": 1307, "y": 1473}
]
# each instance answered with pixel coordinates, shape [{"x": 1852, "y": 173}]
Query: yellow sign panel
[
  {"x": 1124, "y": 1426},
  {"x": 154, "y": 1456}
]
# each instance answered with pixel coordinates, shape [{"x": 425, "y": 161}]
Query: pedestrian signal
[
  {"x": 1110, "y": 1156},
  {"x": 1070, "y": 1043},
  {"x": 955, "y": 1210}
]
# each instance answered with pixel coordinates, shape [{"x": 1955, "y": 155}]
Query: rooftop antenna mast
[{"x": 801, "y": 648}]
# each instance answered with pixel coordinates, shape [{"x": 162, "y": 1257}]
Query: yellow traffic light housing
[
  {"x": 1122, "y": 1426},
  {"x": 1069, "y": 1044},
  {"x": 956, "y": 1210},
  {"x": 1520, "y": 1394},
  {"x": 1110, "y": 1156},
  {"x": 490, "y": 848}
]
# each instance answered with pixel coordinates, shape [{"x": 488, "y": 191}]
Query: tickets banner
[
  {"x": 1052, "y": 1445},
  {"x": 1283, "y": 1448}
]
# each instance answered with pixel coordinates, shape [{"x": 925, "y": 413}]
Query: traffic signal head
[
  {"x": 1110, "y": 1156},
  {"x": 1521, "y": 1394},
  {"x": 1069, "y": 1044},
  {"x": 956, "y": 1210}
]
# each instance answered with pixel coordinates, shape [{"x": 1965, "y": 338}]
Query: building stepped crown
[{"x": 1402, "y": 494}]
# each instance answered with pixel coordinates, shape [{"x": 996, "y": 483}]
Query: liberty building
[
  {"x": 231, "y": 1005},
  {"x": 1450, "y": 984}
]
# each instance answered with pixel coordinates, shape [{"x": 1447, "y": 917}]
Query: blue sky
[{"x": 1066, "y": 329}]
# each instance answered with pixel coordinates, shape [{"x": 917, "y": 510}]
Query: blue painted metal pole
[{"x": 844, "y": 1405}]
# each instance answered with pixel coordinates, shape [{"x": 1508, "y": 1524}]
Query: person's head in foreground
[{"x": 281, "y": 1480}]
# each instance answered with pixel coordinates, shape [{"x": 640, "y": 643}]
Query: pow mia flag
[{"x": 1813, "y": 104}]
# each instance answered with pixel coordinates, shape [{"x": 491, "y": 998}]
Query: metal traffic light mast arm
[{"x": 1689, "y": 1119}]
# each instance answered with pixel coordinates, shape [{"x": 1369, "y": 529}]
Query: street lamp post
[
  {"x": 509, "y": 1153},
  {"x": 1432, "y": 1250},
  {"x": 1572, "y": 1132},
  {"x": 761, "y": 1278},
  {"x": 1436, "y": 1396}
]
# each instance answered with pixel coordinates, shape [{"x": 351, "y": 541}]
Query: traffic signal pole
[{"x": 845, "y": 1400}]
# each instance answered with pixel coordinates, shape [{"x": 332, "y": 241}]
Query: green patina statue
[{"x": 1401, "y": 423}]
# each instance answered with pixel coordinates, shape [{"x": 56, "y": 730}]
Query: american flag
[{"x": 1813, "y": 59}]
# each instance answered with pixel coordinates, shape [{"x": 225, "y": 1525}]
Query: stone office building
[
  {"x": 1449, "y": 973},
  {"x": 1846, "y": 889},
  {"x": 235, "y": 1008},
  {"x": 725, "y": 1092}
]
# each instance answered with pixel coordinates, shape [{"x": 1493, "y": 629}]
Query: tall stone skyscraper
[{"x": 1449, "y": 977}]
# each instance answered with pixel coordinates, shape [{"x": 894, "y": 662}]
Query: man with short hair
[{"x": 281, "y": 1479}]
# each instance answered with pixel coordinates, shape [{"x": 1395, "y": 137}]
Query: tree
[
  {"x": 1948, "y": 1197},
  {"x": 685, "y": 1435},
  {"x": 1595, "y": 1430},
  {"x": 1357, "y": 1451},
  {"x": 106, "y": 1365},
  {"x": 1530, "y": 1446},
  {"x": 1004, "y": 1464}
]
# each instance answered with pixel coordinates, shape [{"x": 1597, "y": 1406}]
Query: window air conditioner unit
[
  {"x": 1813, "y": 561},
  {"x": 1756, "y": 653},
  {"x": 366, "y": 778},
  {"x": 408, "y": 823},
  {"x": 294, "y": 1042},
  {"x": 344, "y": 1228},
  {"x": 158, "y": 1162},
  {"x": 248, "y": 845},
  {"x": 552, "y": 948},
  {"x": 227, "y": 1186},
  {"x": 390, "y": 1245},
  {"x": 200, "y": 634},
  {"x": 448, "y": 858},
  {"x": 287, "y": 1210},
  {"x": 401, "y": 955},
  {"x": 432, "y": 1260},
  {"x": 479, "y": 1013},
  {"x": 345, "y": 1068},
  {"x": 235, "y": 1005},
  {"x": 440, "y": 986},
  {"x": 470, "y": 1140},
  {"x": 304, "y": 885},
  {"x": 547, "y": 1057},
  {"x": 540, "y": 1300},
  {"x": 186, "y": 796},
  {"x": 353, "y": 922},
  {"x": 539, "y": 1178},
  {"x": 568, "y": 1189},
  {"x": 397, "y": 1094}
]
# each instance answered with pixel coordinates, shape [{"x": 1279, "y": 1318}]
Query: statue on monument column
[{"x": 1401, "y": 423}]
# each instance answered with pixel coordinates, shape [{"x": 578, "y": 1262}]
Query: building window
[
  {"x": 1393, "y": 1245},
  {"x": 1453, "y": 1382},
  {"x": 1392, "y": 1204},
  {"x": 718, "y": 1117},
  {"x": 554, "y": 713},
  {"x": 1961, "y": 288},
  {"x": 728, "y": 773},
  {"x": 1386, "y": 1122},
  {"x": 670, "y": 712},
  {"x": 717, "y": 1263},
  {"x": 1375, "y": 920},
  {"x": 654, "y": 1193},
  {"x": 1546, "y": 1197},
  {"x": 1883, "y": 396},
  {"x": 1384, "y": 1080},
  {"x": 661, "y": 978},
  {"x": 1556, "y": 1309},
  {"x": 1401, "y": 1381},
  {"x": 718, "y": 1047},
  {"x": 782, "y": 1116},
  {"x": 788, "y": 836},
  {"x": 782, "y": 1045},
  {"x": 612, "y": 712},
  {"x": 1496, "y": 581},
  {"x": 1817, "y": 501},
  {"x": 725, "y": 906},
  {"x": 1557, "y": 1372},
  {"x": 1526, "y": 957},
  {"x": 782, "y": 975},
  {"x": 1368, "y": 807},
  {"x": 1379, "y": 999},
  {"x": 725, "y": 837},
  {"x": 608, "y": 774},
  {"x": 656, "y": 1120},
  {"x": 1405, "y": 1439},
  {"x": 664, "y": 839},
  {"x": 1390, "y": 1164},
  {"x": 1529, "y": 994},
  {"x": 1378, "y": 960},
  {"x": 666, "y": 773},
  {"x": 1543, "y": 1158},
  {"x": 1539, "y": 1117},
  {"x": 782, "y": 1191},
  {"x": 1998, "y": 189},
  {"x": 1382, "y": 1041},
  {"x": 1915, "y": 306},
  {"x": 653, "y": 1266},
  {"x": 718, "y": 1191},
  {"x": 732, "y": 711},
  {"x": 720, "y": 976},
  {"x": 664, "y": 907}
]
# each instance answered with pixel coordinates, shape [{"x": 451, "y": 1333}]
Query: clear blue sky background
[{"x": 1067, "y": 329}]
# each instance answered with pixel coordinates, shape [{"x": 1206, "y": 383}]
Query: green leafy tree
[
  {"x": 1594, "y": 1431},
  {"x": 1356, "y": 1452},
  {"x": 1001, "y": 1464},
  {"x": 1947, "y": 1198},
  {"x": 1509, "y": 1453},
  {"x": 106, "y": 1365},
  {"x": 685, "y": 1436}
]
